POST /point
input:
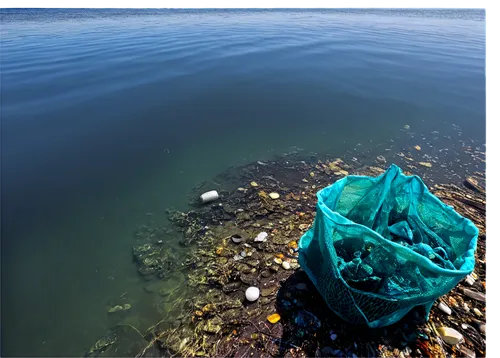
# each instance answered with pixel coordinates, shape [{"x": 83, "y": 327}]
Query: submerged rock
[
  {"x": 117, "y": 308},
  {"x": 231, "y": 287},
  {"x": 274, "y": 195}
]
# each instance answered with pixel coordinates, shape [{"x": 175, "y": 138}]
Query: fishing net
[{"x": 382, "y": 246}]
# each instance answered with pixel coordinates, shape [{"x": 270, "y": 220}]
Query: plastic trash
[
  {"x": 381, "y": 246},
  {"x": 209, "y": 196}
]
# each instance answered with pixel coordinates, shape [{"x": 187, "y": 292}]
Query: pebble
[
  {"x": 265, "y": 274},
  {"x": 470, "y": 280},
  {"x": 449, "y": 335},
  {"x": 481, "y": 326},
  {"x": 425, "y": 164},
  {"x": 286, "y": 265},
  {"x": 115, "y": 309},
  {"x": 453, "y": 302},
  {"x": 444, "y": 308},
  {"x": 261, "y": 237},
  {"x": 278, "y": 260},
  {"x": 474, "y": 275},
  {"x": 474, "y": 295},
  {"x": 237, "y": 258},
  {"x": 252, "y": 293},
  {"x": 254, "y": 184},
  {"x": 466, "y": 352},
  {"x": 477, "y": 312},
  {"x": 305, "y": 180},
  {"x": 466, "y": 307},
  {"x": 243, "y": 254},
  {"x": 274, "y": 195},
  {"x": 127, "y": 306},
  {"x": 274, "y": 268},
  {"x": 406, "y": 127},
  {"x": 381, "y": 159}
]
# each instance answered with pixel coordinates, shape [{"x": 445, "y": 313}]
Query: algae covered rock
[{"x": 213, "y": 325}]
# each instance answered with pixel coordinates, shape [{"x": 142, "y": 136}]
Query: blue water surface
[{"x": 109, "y": 114}]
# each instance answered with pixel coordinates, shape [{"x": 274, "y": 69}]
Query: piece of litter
[
  {"x": 470, "y": 280},
  {"x": 444, "y": 308},
  {"x": 273, "y": 318},
  {"x": 261, "y": 237}
]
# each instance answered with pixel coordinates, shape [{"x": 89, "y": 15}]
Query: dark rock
[{"x": 231, "y": 287}]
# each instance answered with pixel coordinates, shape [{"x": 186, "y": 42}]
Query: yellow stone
[
  {"x": 417, "y": 147},
  {"x": 219, "y": 250},
  {"x": 254, "y": 184},
  {"x": 311, "y": 174},
  {"x": 342, "y": 172},
  {"x": 274, "y": 195},
  {"x": 425, "y": 164},
  {"x": 274, "y": 318}
]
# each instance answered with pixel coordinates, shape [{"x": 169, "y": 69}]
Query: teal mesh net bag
[{"x": 382, "y": 246}]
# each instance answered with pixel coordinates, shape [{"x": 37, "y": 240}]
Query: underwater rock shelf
[{"x": 290, "y": 318}]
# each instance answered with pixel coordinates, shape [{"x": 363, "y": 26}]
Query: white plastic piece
[
  {"x": 252, "y": 293},
  {"x": 444, "y": 308},
  {"x": 261, "y": 237},
  {"x": 470, "y": 280},
  {"x": 209, "y": 196}
]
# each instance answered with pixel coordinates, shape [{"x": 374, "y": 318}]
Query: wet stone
[
  {"x": 267, "y": 300},
  {"x": 268, "y": 291},
  {"x": 274, "y": 268},
  {"x": 253, "y": 263},
  {"x": 222, "y": 260},
  {"x": 243, "y": 268},
  {"x": 232, "y": 316},
  {"x": 249, "y": 279},
  {"x": 231, "y": 287},
  {"x": 280, "y": 240},
  {"x": 265, "y": 273}
]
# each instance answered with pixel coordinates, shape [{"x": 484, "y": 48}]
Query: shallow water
[{"x": 109, "y": 115}]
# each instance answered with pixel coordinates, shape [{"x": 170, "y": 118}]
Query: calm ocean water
[{"x": 107, "y": 115}]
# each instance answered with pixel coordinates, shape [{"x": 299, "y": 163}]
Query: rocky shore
[{"x": 249, "y": 238}]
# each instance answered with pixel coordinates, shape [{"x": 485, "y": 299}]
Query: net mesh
[{"x": 381, "y": 246}]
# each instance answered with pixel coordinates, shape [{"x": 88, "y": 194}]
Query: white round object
[
  {"x": 252, "y": 293},
  {"x": 209, "y": 196},
  {"x": 286, "y": 265}
]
